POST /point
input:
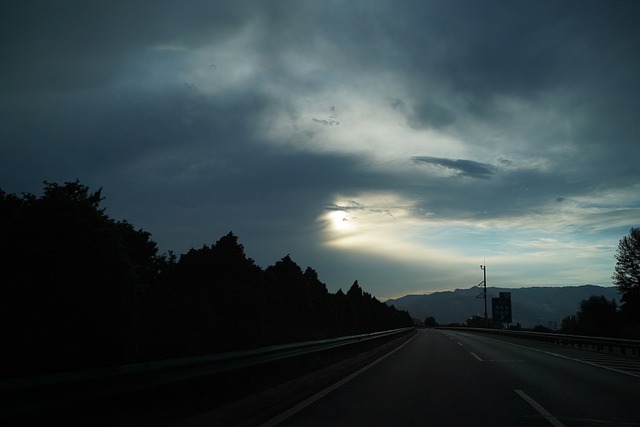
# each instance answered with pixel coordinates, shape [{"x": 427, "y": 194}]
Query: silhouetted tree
[
  {"x": 323, "y": 314},
  {"x": 356, "y": 304},
  {"x": 69, "y": 286},
  {"x": 211, "y": 301},
  {"x": 596, "y": 317},
  {"x": 143, "y": 254},
  {"x": 288, "y": 302},
  {"x": 569, "y": 325},
  {"x": 430, "y": 322},
  {"x": 365, "y": 313},
  {"x": 627, "y": 279},
  {"x": 345, "y": 314},
  {"x": 240, "y": 288},
  {"x": 476, "y": 321}
]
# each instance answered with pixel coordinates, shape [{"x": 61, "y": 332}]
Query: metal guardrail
[
  {"x": 597, "y": 343},
  {"x": 18, "y": 395}
]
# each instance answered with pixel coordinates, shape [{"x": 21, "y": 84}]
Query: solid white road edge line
[
  {"x": 477, "y": 357},
  {"x": 300, "y": 406},
  {"x": 553, "y": 420}
]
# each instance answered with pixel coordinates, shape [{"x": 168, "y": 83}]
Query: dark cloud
[
  {"x": 172, "y": 108},
  {"x": 76, "y": 45},
  {"x": 431, "y": 115},
  {"x": 520, "y": 48},
  {"x": 460, "y": 167}
]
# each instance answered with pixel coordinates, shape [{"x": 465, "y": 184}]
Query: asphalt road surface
[{"x": 453, "y": 378}]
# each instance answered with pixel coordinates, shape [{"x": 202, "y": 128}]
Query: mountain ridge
[{"x": 537, "y": 305}]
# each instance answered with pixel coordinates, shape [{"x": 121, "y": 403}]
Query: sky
[{"x": 398, "y": 143}]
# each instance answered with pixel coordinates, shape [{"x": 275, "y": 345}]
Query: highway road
[{"x": 454, "y": 378}]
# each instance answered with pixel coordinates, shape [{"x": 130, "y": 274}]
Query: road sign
[{"x": 501, "y": 310}]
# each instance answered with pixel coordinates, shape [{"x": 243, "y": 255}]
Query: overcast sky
[{"x": 398, "y": 143}]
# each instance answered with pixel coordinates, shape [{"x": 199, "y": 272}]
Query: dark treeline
[
  {"x": 596, "y": 316},
  {"x": 81, "y": 290}
]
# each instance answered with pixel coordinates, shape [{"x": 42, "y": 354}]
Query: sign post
[{"x": 484, "y": 282}]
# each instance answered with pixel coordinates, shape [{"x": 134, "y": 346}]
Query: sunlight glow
[
  {"x": 340, "y": 222},
  {"x": 392, "y": 227}
]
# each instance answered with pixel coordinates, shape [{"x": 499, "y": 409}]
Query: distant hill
[{"x": 545, "y": 306}]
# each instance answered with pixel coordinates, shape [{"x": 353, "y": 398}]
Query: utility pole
[{"x": 486, "y": 320}]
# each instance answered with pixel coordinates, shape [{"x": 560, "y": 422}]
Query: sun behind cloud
[{"x": 340, "y": 221}]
